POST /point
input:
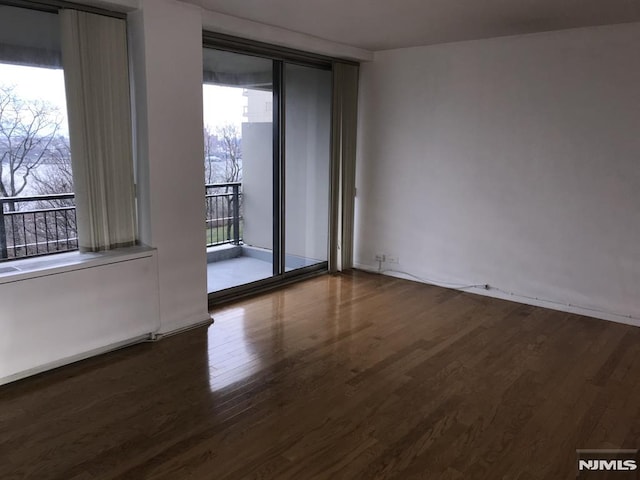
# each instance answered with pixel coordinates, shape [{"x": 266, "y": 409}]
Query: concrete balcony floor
[
  {"x": 236, "y": 271},
  {"x": 232, "y": 265}
]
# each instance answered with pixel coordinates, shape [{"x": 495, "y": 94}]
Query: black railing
[
  {"x": 37, "y": 225},
  {"x": 45, "y": 224},
  {"x": 224, "y": 213}
]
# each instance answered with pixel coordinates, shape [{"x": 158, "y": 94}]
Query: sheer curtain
[
  {"x": 343, "y": 161},
  {"x": 94, "y": 57}
]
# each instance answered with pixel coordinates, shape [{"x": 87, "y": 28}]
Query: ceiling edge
[{"x": 240, "y": 27}]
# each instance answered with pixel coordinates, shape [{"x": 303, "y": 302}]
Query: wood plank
[{"x": 347, "y": 376}]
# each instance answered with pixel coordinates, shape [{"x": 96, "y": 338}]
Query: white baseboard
[
  {"x": 536, "y": 302},
  {"x": 579, "y": 310},
  {"x": 106, "y": 349},
  {"x": 74, "y": 358},
  {"x": 183, "y": 327}
]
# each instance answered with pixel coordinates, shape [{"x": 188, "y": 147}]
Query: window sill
[{"x": 19, "y": 270}]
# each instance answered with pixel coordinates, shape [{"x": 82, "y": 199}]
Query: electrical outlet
[
  {"x": 393, "y": 259},
  {"x": 379, "y": 257}
]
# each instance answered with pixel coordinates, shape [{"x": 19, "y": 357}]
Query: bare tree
[
  {"x": 49, "y": 225},
  {"x": 61, "y": 228},
  {"x": 57, "y": 177},
  {"x": 223, "y": 164},
  {"x": 27, "y": 130},
  {"x": 222, "y": 149},
  {"x": 229, "y": 138},
  {"x": 210, "y": 142}
]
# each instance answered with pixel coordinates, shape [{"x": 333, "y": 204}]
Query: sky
[
  {"x": 222, "y": 105},
  {"x": 34, "y": 83}
]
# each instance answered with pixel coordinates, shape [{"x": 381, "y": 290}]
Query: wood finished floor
[{"x": 347, "y": 377}]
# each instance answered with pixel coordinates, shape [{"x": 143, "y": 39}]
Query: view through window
[
  {"x": 238, "y": 120},
  {"x": 36, "y": 185},
  {"x": 223, "y": 117},
  {"x": 224, "y": 109}
]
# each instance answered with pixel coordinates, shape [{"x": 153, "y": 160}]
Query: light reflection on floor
[
  {"x": 231, "y": 357},
  {"x": 235, "y": 352}
]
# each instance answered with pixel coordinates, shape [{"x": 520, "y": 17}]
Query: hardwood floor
[{"x": 347, "y": 377}]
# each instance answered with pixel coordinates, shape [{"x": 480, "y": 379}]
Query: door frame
[{"x": 279, "y": 56}]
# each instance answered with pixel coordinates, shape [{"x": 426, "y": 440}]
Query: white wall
[
  {"x": 75, "y": 310},
  {"x": 167, "y": 67},
  {"x": 257, "y": 184},
  {"x": 512, "y": 162},
  {"x": 54, "y": 317}
]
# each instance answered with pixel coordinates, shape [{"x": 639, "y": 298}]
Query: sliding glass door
[
  {"x": 307, "y": 159},
  {"x": 238, "y": 135},
  {"x": 267, "y": 163}
]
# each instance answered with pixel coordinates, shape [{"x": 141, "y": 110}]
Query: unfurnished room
[{"x": 319, "y": 239}]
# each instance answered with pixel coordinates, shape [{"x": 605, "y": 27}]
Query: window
[
  {"x": 44, "y": 151},
  {"x": 37, "y": 212}
]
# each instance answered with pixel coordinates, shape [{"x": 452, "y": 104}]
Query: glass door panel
[
  {"x": 238, "y": 137},
  {"x": 307, "y": 106}
]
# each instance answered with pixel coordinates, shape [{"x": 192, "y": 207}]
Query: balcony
[
  {"x": 46, "y": 224},
  {"x": 223, "y": 217},
  {"x": 235, "y": 263},
  {"x": 37, "y": 225}
]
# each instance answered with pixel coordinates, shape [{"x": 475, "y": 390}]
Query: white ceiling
[{"x": 384, "y": 24}]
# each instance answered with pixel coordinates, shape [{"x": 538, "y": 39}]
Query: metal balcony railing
[
  {"x": 45, "y": 224},
  {"x": 224, "y": 213},
  {"x": 37, "y": 225}
]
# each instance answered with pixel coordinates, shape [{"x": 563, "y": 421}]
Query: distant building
[{"x": 259, "y": 106}]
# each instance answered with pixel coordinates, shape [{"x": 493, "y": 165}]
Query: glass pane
[
  {"x": 238, "y": 133},
  {"x": 308, "y": 133},
  {"x": 37, "y": 205}
]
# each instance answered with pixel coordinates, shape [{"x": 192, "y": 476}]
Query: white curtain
[
  {"x": 343, "y": 165},
  {"x": 94, "y": 57}
]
